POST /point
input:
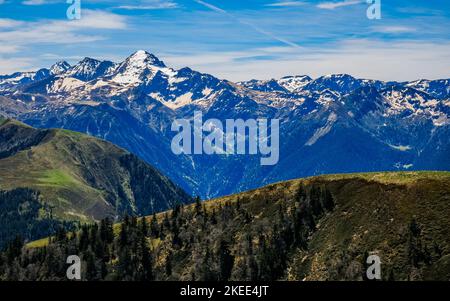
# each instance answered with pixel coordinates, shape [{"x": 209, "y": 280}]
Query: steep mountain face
[
  {"x": 320, "y": 228},
  {"x": 20, "y": 78},
  {"x": 59, "y": 68},
  {"x": 334, "y": 123},
  {"x": 285, "y": 84},
  {"x": 89, "y": 69},
  {"x": 81, "y": 178},
  {"x": 436, "y": 88}
]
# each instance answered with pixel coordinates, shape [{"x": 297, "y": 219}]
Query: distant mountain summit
[
  {"x": 331, "y": 124},
  {"x": 89, "y": 69},
  {"x": 137, "y": 67},
  {"x": 59, "y": 68}
]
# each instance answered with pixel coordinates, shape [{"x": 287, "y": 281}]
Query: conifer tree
[
  {"x": 144, "y": 226},
  {"x": 198, "y": 205},
  {"x": 154, "y": 231},
  {"x": 226, "y": 261},
  {"x": 146, "y": 261},
  {"x": 123, "y": 238}
]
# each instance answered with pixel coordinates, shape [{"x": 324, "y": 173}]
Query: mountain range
[{"x": 331, "y": 124}]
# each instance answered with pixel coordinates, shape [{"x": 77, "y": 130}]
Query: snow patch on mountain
[
  {"x": 402, "y": 148},
  {"x": 16, "y": 78},
  {"x": 294, "y": 83},
  {"x": 59, "y": 68},
  {"x": 320, "y": 132},
  {"x": 89, "y": 69},
  {"x": 441, "y": 120},
  {"x": 179, "y": 102},
  {"x": 65, "y": 84},
  {"x": 400, "y": 165},
  {"x": 206, "y": 91},
  {"x": 133, "y": 102}
]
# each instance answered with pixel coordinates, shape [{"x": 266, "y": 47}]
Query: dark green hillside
[
  {"x": 320, "y": 228},
  {"x": 23, "y": 215},
  {"x": 81, "y": 178}
]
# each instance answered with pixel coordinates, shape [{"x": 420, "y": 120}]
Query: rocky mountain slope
[{"x": 331, "y": 124}]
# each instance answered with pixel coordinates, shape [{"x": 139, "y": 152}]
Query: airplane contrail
[{"x": 253, "y": 26}]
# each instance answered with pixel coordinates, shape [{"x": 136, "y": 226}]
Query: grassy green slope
[
  {"x": 373, "y": 214},
  {"x": 82, "y": 177},
  {"x": 51, "y": 169},
  {"x": 319, "y": 228}
]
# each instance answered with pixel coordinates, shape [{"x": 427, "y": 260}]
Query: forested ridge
[
  {"x": 316, "y": 229},
  {"x": 23, "y": 215}
]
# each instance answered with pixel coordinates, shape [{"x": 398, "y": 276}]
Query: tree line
[{"x": 247, "y": 238}]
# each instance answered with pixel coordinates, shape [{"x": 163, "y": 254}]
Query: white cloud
[
  {"x": 10, "y": 65},
  {"x": 18, "y": 35},
  {"x": 147, "y": 7},
  {"x": 150, "y": 5},
  {"x": 9, "y": 48},
  {"x": 286, "y": 4},
  {"x": 8, "y": 23},
  {"x": 97, "y": 19},
  {"x": 58, "y": 57},
  {"x": 33, "y": 2},
  {"x": 333, "y": 5},
  {"x": 59, "y": 31},
  {"x": 393, "y": 29},
  {"x": 361, "y": 58}
]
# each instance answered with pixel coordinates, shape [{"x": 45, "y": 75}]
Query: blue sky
[{"x": 236, "y": 39}]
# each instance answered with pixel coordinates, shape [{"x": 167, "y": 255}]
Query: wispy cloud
[
  {"x": 150, "y": 5},
  {"x": 8, "y": 23},
  {"x": 16, "y": 34},
  {"x": 286, "y": 4},
  {"x": 333, "y": 5},
  {"x": 57, "y": 57},
  {"x": 33, "y": 2},
  {"x": 10, "y": 65},
  {"x": 146, "y": 7},
  {"x": 97, "y": 19},
  {"x": 394, "y": 29},
  {"x": 236, "y": 39},
  {"x": 9, "y": 49},
  {"x": 250, "y": 24},
  {"x": 358, "y": 57},
  {"x": 213, "y": 7}
]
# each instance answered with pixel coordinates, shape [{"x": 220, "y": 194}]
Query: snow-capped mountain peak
[
  {"x": 367, "y": 124},
  {"x": 59, "y": 68},
  {"x": 89, "y": 68},
  {"x": 294, "y": 83},
  {"x": 438, "y": 88},
  {"x": 139, "y": 65},
  {"x": 343, "y": 83},
  {"x": 143, "y": 58},
  {"x": 85, "y": 66}
]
